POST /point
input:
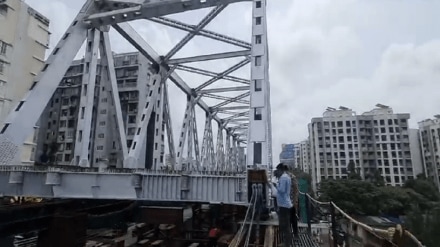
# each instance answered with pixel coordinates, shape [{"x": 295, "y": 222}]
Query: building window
[
  {"x": 2, "y": 84},
  {"x": 100, "y": 148},
  {"x": 258, "y": 4},
  {"x": 131, "y": 131},
  {"x": 104, "y": 100},
  {"x": 258, "y": 61},
  {"x": 258, "y": 85},
  {"x": 257, "y": 39},
  {"x": 3, "y": 47},
  {"x": 258, "y": 113},
  {"x": 102, "y": 123},
  {"x": 258, "y": 20},
  {"x": 3, "y": 9},
  {"x": 101, "y": 135},
  {"x": 104, "y": 111},
  {"x": 2, "y": 66},
  {"x": 257, "y": 153}
]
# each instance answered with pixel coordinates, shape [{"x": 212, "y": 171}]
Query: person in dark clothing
[
  {"x": 294, "y": 222},
  {"x": 284, "y": 204},
  {"x": 294, "y": 196}
]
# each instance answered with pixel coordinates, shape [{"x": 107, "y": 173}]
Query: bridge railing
[{"x": 345, "y": 229}]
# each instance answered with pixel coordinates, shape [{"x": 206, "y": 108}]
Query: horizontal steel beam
[
  {"x": 137, "y": 2},
  {"x": 225, "y": 89},
  {"x": 210, "y": 57},
  {"x": 209, "y": 34},
  {"x": 212, "y": 74},
  {"x": 224, "y": 73},
  {"x": 74, "y": 182},
  {"x": 152, "y": 8},
  {"x": 220, "y": 97},
  {"x": 238, "y": 107}
]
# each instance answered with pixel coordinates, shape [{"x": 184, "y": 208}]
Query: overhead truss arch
[{"x": 241, "y": 112}]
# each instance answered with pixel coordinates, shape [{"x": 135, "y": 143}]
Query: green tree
[
  {"x": 352, "y": 195},
  {"x": 424, "y": 187},
  {"x": 418, "y": 199},
  {"x": 424, "y": 225}
]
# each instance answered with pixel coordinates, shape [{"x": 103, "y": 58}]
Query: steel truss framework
[{"x": 247, "y": 123}]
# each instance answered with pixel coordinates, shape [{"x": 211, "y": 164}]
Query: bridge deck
[
  {"x": 136, "y": 184},
  {"x": 304, "y": 240}
]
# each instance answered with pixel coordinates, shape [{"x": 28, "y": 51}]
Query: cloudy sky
[{"x": 353, "y": 53}]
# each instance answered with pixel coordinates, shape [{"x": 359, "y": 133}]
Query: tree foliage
[{"x": 418, "y": 199}]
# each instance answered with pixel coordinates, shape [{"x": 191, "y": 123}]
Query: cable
[
  {"x": 259, "y": 189},
  {"x": 252, "y": 202},
  {"x": 249, "y": 231}
]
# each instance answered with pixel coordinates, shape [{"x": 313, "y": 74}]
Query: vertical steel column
[
  {"x": 228, "y": 163},
  {"x": 183, "y": 132},
  {"x": 115, "y": 112},
  {"x": 234, "y": 155},
  {"x": 156, "y": 81},
  {"x": 84, "y": 138},
  {"x": 189, "y": 150},
  {"x": 159, "y": 148},
  {"x": 169, "y": 126},
  {"x": 195, "y": 138},
  {"x": 259, "y": 134},
  {"x": 220, "y": 161},
  {"x": 205, "y": 162}
]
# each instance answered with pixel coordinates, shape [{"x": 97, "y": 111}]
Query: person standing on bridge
[
  {"x": 294, "y": 196},
  {"x": 284, "y": 204}
]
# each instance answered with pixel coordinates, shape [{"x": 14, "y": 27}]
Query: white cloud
[{"x": 323, "y": 53}]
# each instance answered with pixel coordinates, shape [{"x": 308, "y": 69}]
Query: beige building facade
[
  {"x": 375, "y": 141},
  {"x": 24, "y": 39},
  {"x": 430, "y": 142}
]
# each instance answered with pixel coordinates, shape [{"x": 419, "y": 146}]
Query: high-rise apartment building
[
  {"x": 296, "y": 155},
  {"x": 56, "y": 142},
  {"x": 378, "y": 140},
  {"x": 287, "y": 155},
  {"x": 430, "y": 143},
  {"x": 24, "y": 38},
  {"x": 303, "y": 150}
]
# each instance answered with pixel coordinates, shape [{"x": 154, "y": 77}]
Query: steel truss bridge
[{"x": 214, "y": 171}]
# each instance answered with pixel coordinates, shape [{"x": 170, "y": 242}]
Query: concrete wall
[{"x": 26, "y": 34}]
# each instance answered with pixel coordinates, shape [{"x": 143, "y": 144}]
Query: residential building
[
  {"x": 296, "y": 155},
  {"x": 304, "y": 156},
  {"x": 375, "y": 141},
  {"x": 24, "y": 38},
  {"x": 430, "y": 143},
  {"x": 287, "y": 155},
  {"x": 58, "y": 122}
]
